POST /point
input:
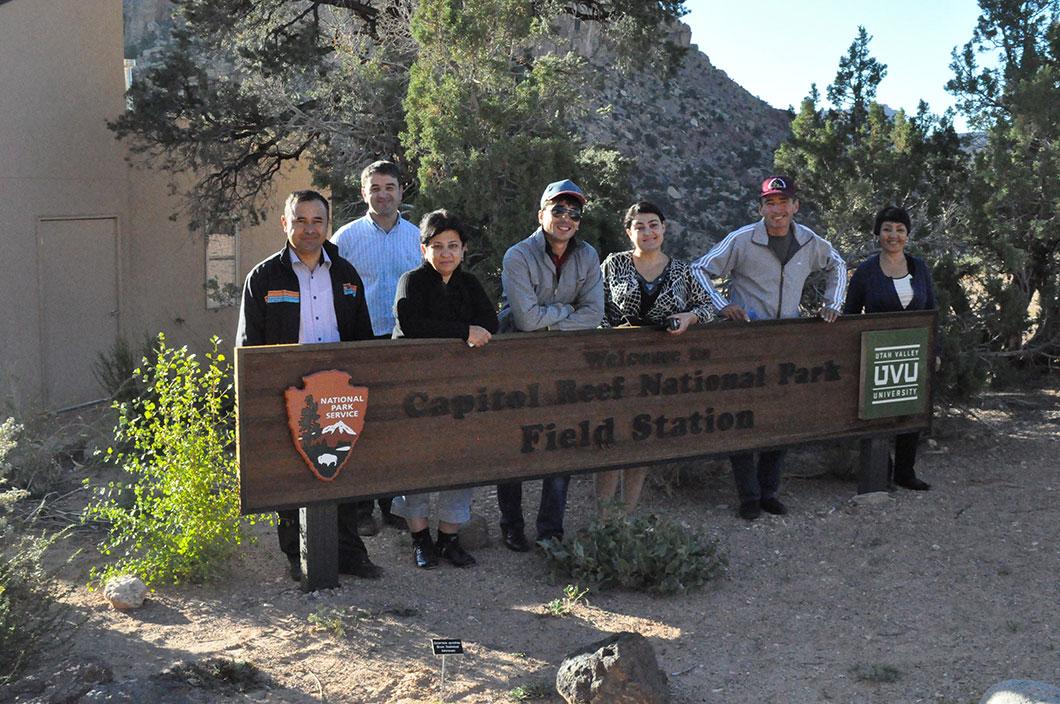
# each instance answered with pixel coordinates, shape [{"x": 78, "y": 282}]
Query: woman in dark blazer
[
  {"x": 439, "y": 299},
  {"x": 890, "y": 281},
  {"x": 645, "y": 286}
]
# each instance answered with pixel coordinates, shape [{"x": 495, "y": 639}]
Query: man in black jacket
[{"x": 307, "y": 293}]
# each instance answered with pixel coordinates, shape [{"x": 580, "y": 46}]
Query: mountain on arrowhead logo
[{"x": 326, "y": 418}]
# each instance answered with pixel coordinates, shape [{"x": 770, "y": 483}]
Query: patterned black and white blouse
[{"x": 629, "y": 300}]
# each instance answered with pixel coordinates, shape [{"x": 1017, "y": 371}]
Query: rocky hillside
[{"x": 699, "y": 141}]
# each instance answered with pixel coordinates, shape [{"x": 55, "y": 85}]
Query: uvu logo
[{"x": 896, "y": 373}]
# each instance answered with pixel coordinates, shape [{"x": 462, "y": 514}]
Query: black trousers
[
  {"x": 905, "y": 455},
  {"x": 351, "y": 547}
]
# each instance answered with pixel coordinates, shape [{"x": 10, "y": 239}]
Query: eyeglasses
[{"x": 574, "y": 214}]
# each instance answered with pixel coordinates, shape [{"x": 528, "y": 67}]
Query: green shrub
[
  {"x": 9, "y": 432},
  {"x": 176, "y": 516},
  {"x": 572, "y": 596},
  {"x": 115, "y": 370},
  {"x": 645, "y": 554},
  {"x": 32, "y": 617}
]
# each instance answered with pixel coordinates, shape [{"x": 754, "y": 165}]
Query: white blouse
[{"x": 904, "y": 288}]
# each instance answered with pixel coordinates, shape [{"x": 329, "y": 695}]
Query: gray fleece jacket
[
  {"x": 759, "y": 283},
  {"x": 534, "y": 298}
]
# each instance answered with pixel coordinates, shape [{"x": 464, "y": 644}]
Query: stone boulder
[
  {"x": 620, "y": 669},
  {"x": 1021, "y": 692},
  {"x": 475, "y": 534},
  {"x": 125, "y": 592}
]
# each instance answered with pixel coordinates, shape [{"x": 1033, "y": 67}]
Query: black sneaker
[
  {"x": 449, "y": 547},
  {"x": 749, "y": 510},
  {"x": 773, "y": 505},
  {"x": 912, "y": 483},
  {"x": 360, "y": 567},
  {"x": 514, "y": 539}
]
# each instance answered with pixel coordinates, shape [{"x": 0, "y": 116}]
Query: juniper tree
[{"x": 1012, "y": 195}]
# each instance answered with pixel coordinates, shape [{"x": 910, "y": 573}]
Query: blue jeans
[
  {"x": 549, "y": 513},
  {"x": 761, "y": 482}
]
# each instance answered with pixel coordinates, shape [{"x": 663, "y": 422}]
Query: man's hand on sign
[
  {"x": 734, "y": 312},
  {"x": 477, "y": 336},
  {"x": 828, "y": 315}
]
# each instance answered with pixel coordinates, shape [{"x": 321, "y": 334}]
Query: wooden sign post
[{"x": 420, "y": 415}]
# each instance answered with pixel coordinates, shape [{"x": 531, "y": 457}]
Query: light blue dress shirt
[
  {"x": 318, "y": 322},
  {"x": 380, "y": 257}
]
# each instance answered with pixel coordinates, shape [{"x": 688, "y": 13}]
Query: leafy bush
[
  {"x": 645, "y": 554},
  {"x": 30, "y": 610},
  {"x": 176, "y": 517},
  {"x": 115, "y": 369},
  {"x": 9, "y": 431}
]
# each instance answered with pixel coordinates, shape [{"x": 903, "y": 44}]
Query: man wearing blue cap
[{"x": 550, "y": 281}]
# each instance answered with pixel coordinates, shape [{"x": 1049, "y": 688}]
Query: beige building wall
[
  {"x": 58, "y": 164},
  {"x": 91, "y": 253}
]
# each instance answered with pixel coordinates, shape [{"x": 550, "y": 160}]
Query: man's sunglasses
[{"x": 574, "y": 214}]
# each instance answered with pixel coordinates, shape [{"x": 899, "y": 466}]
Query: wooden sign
[{"x": 438, "y": 414}]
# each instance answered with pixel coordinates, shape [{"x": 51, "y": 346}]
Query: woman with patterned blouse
[{"x": 645, "y": 286}]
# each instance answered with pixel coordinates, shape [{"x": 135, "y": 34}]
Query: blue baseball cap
[{"x": 566, "y": 187}]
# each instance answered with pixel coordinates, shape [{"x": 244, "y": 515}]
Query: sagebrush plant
[
  {"x": 176, "y": 515},
  {"x": 33, "y": 617},
  {"x": 9, "y": 432},
  {"x": 647, "y": 553}
]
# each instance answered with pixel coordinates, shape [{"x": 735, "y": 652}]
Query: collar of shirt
[
  {"x": 397, "y": 222},
  {"x": 558, "y": 260},
  {"x": 325, "y": 260}
]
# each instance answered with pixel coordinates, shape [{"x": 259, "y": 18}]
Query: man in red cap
[{"x": 767, "y": 264}]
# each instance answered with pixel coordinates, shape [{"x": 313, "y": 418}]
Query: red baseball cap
[{"x": 777, "y": 186}]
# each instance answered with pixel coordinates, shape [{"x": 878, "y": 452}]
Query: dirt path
[{"x": 931, "y": 597}]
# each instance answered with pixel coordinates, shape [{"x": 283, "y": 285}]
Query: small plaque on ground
[{"x": 447, "y": 646}]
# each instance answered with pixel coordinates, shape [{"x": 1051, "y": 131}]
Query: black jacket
[
  {"x": 270, "y": 314},
  {"x": 425, "y": 307}
]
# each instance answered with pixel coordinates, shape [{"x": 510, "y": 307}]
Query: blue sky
[{"x": 806, "y": 37}]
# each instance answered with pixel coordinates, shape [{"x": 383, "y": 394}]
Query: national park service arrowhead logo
[{"x": 326, "y": 418}]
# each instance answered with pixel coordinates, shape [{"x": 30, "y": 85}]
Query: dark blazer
[
  {"x": 271, "y": 309},
  {"x": 872, "y": 291},
  {"x": 426, "y": 307}
]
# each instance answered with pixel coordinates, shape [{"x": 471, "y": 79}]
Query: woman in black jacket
[
  {"x": 441, "y": 300},
  {"x": 891, "y": 281}
]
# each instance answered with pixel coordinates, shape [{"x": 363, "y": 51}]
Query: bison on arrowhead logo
[{"x": 326, "y": 418}]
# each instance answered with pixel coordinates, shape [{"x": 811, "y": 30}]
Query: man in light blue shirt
[{"x": 382, "y": 246}]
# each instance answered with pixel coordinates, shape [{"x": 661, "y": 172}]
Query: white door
[{"x": 78, "y": 281}]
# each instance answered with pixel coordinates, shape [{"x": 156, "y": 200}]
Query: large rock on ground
[
  {"x": 620, "y": 669},
  {"x": 125, "y": 592},
  {"x": 475, "y": 534},
  {"x": 1021, "y": 692}
]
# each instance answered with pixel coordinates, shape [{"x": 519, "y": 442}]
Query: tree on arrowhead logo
[{"x": 326, "y": 418}]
